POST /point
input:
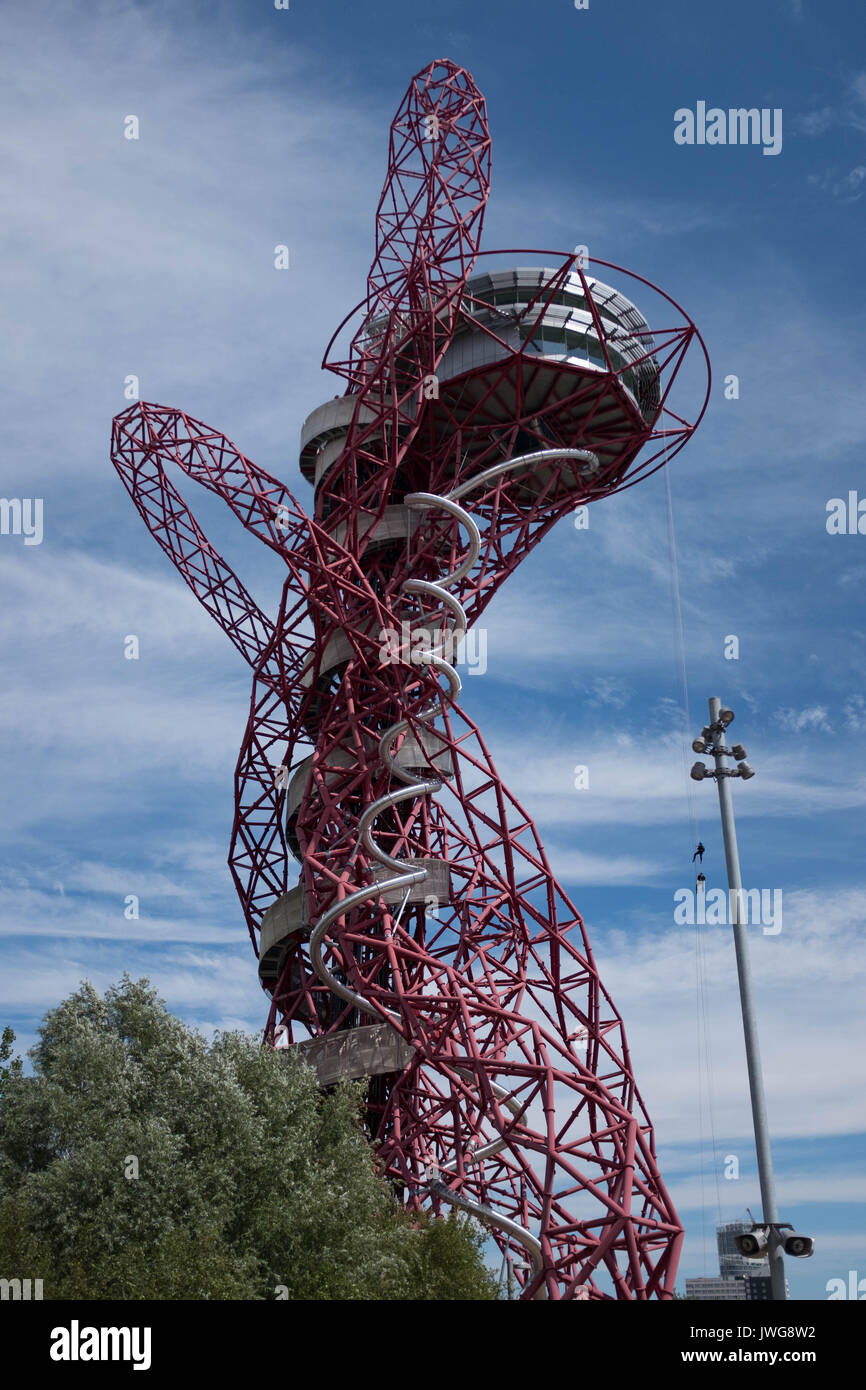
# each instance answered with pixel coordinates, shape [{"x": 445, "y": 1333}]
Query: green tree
[
  {"x": 14, "y": 1068},
  {"x": 140, "y": 1161}
]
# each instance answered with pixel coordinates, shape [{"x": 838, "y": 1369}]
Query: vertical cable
[{"x": 704, "y": 1038}]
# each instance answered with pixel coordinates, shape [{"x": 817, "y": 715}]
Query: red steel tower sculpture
[{"x": 427, "y": 945}]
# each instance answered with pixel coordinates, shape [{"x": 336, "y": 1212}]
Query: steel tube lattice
[{"x": 427, "y": 929}]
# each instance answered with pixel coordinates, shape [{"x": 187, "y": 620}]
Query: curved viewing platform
[
  {"x": 556, "y": 329},
  {"x": 558, "y": 325}
]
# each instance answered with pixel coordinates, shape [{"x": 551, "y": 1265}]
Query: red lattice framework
[{"x": 514, "y": 1097}]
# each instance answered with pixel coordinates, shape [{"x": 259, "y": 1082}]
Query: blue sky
[{"x": 155, "y": 257}]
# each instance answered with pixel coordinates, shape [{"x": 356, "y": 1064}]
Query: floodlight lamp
[
  {"x": 754, "y": 1243},
  {"x": 800, "y": 1247}
]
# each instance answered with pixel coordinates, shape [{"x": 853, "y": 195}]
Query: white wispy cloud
[
  {"x": 193, "y": 981},
  {"x": 813, "y": 717},
  {"x": 809, "y": 1050}
]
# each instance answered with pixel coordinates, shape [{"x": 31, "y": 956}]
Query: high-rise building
[{"x": 738, "y": 1278}]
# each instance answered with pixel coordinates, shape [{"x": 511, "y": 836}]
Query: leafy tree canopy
[{"x": 141, "y": 1161}]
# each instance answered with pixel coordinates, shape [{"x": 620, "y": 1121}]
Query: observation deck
[{"x": 573, "y": 355}]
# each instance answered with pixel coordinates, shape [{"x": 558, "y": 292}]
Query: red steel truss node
[{"x": 407, "y": 923}]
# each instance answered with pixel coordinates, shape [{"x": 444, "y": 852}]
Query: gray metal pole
[{"x": 747, "y": 1003}]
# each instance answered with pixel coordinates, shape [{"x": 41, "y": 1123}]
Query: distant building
[
  {"x": 738, "y": 1278},
  {"x": 716, "y": 1288},
  {"x": 761, "y": 1286}
]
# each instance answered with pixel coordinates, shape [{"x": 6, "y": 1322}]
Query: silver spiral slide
[{"x": 401, "y": 878}]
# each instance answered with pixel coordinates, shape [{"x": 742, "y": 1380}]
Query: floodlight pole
[{"x": 750, "y": 1023}]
